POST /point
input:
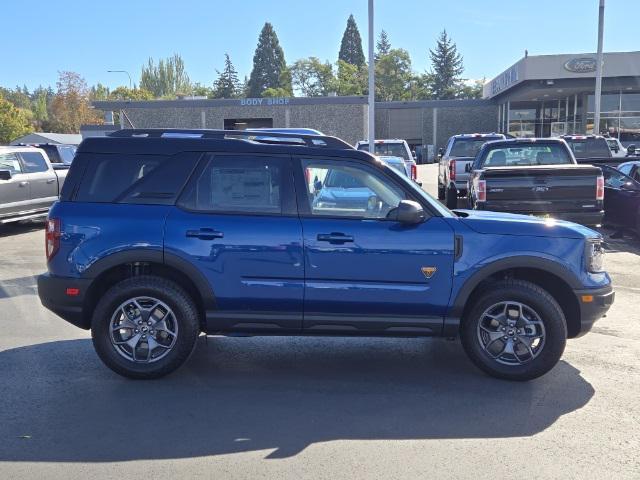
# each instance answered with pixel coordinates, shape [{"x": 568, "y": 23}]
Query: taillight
[
  {"x": 481, "y": 191},
  {"x": 600, "y": 188},
  {"x": 414, "y": 171},
  {"x": 452, "y": 170},
  {"x": 52, "y": 237}
]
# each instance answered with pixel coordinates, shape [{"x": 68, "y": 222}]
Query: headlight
[{"x": 594, "y": 255}]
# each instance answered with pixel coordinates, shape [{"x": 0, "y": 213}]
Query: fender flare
[{"x": 519, "y": 261}]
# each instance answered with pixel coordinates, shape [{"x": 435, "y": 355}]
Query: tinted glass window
[
  {"x": 589, "y": 147},
  {"x": 67, "y": 152},
  {"x": 153, "y": 179},
  {"x": 34, "y": 162},
  {"x": 626, "y": 169},
  {"x": 237, "y": 184},
  {"x": 9, "y": 161},
  {"x": 341, "y": 190},
  {"x": 526, "y": 155},
  {"x": 468, "y": 147},
  {"x": 613, "y": 178}
]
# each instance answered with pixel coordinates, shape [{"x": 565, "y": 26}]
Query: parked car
[
  {"x": 616, "y": 147},
  {"x": 393, "y": 147},
  {"x": 397, "y": 163},
  {"x": 537, "y": 176},
  {"x": 454, "y": 162},
  {"x": 590, "y": 149},
  {"x": 156, "y": 239},
  {"x": 60, "y": 155},
  {"x": 28, "y": 183},
  {"x": 621, "y": 199}
]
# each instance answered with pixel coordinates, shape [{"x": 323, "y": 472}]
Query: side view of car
[
  {"x": 28, "y": 183},
  {"x": 160, "y": 235},
  {"x": 454, "y": 162},
  {"x": 60, "y": 155}
]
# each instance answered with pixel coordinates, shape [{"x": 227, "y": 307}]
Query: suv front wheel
[
  {"x": 515, "y": 330},
  {"x": 144, "y": 327}
]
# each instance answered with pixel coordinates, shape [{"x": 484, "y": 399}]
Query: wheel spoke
[
  {"x": 126, "y": 323},
  {"x": 493, "y": 335}
]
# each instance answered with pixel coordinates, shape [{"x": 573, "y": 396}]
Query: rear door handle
[
  {"x": 51, "y": 180},
  {"x": 23, "y": 184},
  {"x": 334, "y": 237},
  {"x": 204, "y": 234}
]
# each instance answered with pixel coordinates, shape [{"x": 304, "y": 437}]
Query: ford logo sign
[{"x": 581, "y": 65}]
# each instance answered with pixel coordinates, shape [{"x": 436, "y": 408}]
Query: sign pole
[
  {"x": 372, "y": 85},
  {"x": 598, "y": 92}
]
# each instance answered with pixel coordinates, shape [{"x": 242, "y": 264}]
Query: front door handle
[
  {"x": 51, "y": 180},
  {"x": 204, "y": 234},
  {"x": 334, "y": 237},
  {"x": 23, "y": 184}
]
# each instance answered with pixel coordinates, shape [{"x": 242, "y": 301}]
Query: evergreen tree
[
  {"x": 447, "y": 68},
  {"x": 268, "y": 63},
  {"x": 351, "y": 45},
  {"x": 383, "y": 45},
  {"x": 227, "y": 85}
]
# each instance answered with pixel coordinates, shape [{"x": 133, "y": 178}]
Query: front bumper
[
  {"x": 594, "y": 304},
  {"x": 58, "y": 294}
]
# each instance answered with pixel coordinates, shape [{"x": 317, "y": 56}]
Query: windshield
[
  {"x": 526, "y": 155},
  {"x": 468, "y": 147},
  {"x": 390, "y": 149}
]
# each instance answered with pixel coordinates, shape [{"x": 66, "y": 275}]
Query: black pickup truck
[
  {"x": 537, "y": 177},
  {"x": 591, "y": 150}
]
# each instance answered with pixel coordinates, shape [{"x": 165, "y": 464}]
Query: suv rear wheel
[
  {"x": 515, "y": 330},
  {"x": 145, "y": 327}
]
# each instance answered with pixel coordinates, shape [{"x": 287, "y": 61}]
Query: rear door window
[
  {"x": 143, "y": 179},
  {"x": 34, "y": 162},
  {"x": 239, "y": 184}
]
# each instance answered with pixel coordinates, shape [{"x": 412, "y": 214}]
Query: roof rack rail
[{"x": 321, "y": 141}]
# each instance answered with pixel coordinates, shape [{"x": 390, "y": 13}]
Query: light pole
[
  {"x": 372, "y": 85},
  {"x": 123, "y": 71},
  {"x": 598, "y": 92}
]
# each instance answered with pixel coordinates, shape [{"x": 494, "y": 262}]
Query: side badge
[{"x": 428, "y": 271}]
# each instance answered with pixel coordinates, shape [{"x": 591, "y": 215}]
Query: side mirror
[
  {"x": 467, "y": 167},
  {"x": 440, "y": 151},
  {"x": 409, "y": 212},
  {"x": 415, "y": 157},
  {"x": 616, "y": 149},
  {"x": 631, "y": 149},
  {"x": 5, "y": 174}
]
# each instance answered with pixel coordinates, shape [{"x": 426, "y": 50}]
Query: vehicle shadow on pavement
[
  {"x": 10, "y": 229},
  {"x": 60, "y": 404},
  {"x": 14, "y": 287}
]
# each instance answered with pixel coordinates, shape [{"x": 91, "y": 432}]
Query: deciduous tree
[
  {"x": 70, "y": 107},
  {"x": 167, "y": 79},
  {"x": 312, "y": 78},
  {"x": 14, "y": 122}
]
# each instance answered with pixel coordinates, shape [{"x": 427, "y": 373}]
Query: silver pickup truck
[{"x": 29, "y": 184}]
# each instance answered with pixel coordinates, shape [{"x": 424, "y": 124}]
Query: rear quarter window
[{"x": 129, "y": 178}]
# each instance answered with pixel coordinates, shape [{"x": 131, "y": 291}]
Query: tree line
[{"x": 68, "y": 106}]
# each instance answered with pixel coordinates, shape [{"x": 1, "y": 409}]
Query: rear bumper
[
  {"x": 53, "y": 295},
  {"x": 594, "y": 304}
]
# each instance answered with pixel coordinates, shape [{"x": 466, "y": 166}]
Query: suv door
[
  {"x": 364, "y": 273},
  {"x": 237, "y": 223},
  {"x": 14, "y": 193},
  {"x": 42, "y": 180}
]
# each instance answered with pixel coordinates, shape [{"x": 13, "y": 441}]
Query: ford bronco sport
[{"x": 160, "y": 235}]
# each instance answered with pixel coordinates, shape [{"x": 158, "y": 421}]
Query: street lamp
[
  {"x": 598, "y": 92},
  {"x": 122, "y": 71},
  {"x": 372, "y": 84}
]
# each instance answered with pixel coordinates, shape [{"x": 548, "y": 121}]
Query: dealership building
[{"x": 539, "y": 95}]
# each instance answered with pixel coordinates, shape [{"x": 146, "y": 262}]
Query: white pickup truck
[{"x": 29, "y": 184}]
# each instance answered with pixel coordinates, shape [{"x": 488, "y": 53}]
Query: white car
[
  {"x": 395, "y": 147},
  {"x": 617, "y": 149}
]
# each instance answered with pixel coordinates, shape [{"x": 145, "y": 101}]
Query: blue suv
[{"x": 160, "y": 235}]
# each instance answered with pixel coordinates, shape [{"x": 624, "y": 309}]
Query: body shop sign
[{"x": 258, "y": 102}]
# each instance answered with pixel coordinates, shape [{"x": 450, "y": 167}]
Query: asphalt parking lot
[{"x": 312, "y": 407}]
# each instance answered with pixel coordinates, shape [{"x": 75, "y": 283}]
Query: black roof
[{"x": 172, "y": 141}]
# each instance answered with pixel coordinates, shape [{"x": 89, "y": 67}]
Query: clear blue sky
[{"x": 92, "y": 37}]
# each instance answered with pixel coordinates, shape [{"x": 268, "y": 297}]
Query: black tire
[
  {"x": 440, "y": 192},
  {"x": 451, "y": 199},
  {"x": 550, "y": 314},
  {"x": 186, "y": 317}
]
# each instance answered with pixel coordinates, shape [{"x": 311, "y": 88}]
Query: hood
[{"x": 498, "y": 223}]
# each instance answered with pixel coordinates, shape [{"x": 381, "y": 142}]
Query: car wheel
[
  {"x": 440, "y": 192},
  {"x": 451, "y": 200},
  {"x": 514, "y": 330},
  {"x": 145, "y": 327}
]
